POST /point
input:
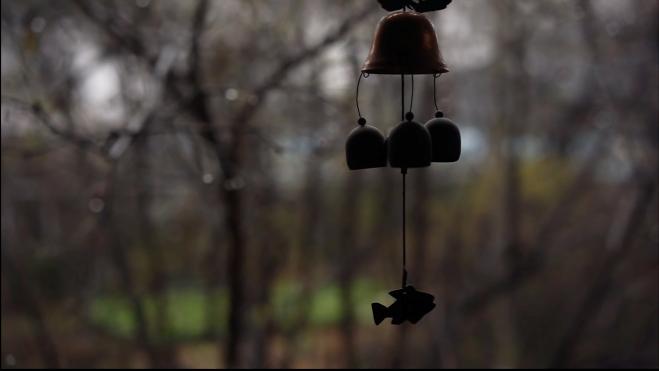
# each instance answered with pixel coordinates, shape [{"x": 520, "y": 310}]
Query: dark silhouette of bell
[
  {"x": 365, "y": 147},
  {"x": 404, "y": 43},
  {"x": 420, "y": 6},
  {"x": 445, "y": 136},
  {"x": 409, "y": 144}
]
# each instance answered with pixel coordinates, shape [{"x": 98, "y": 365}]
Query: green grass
[
  {"x": 188, "y": 309},
  {"x": 187, "y": 312},
  {"x": 113, "y": 314}
]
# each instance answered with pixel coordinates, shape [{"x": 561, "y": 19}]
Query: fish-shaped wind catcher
[{"x": 410, "y": 305}]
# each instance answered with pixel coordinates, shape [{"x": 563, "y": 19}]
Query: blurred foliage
[
  {"x": 188, "y": 318},
  {"x": 174, "y": 191}
]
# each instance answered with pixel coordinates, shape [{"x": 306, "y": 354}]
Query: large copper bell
[
  {"x": 365, "y": 147},
  {"x": 409, "y": 144},
  {"x": 404, "y": 43},
  {"x": 446, "y": 143}
]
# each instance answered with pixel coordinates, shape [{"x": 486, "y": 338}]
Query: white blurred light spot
[
  {"x": 465, "y": 44},
  {"x": 84, "y": 57},
  {"x": 612, "y": 28},
  {"x": 473, "y": 140},
  {"x": 101, "y": 84},
  {"x": 142, "y": 3},
  {"x": 96, "y": 205},
  {"x": 231, "y": 94},
  {"x": 234, "y": 184},
  {"x": 10, "y": 360},
  {"x": 119, "y": 146},
  {"x": 38, "y": 24},
  {"x": 100, "y": 90},
  {"x": 337, "y": 78},
  {"x": 208, "y": 178}
]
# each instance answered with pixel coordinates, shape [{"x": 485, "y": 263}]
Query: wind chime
[{"x": 405, "y": 43}]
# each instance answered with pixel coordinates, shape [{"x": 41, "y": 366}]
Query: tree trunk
[
  {"x": 147, "y": 235},
  {"x": 272, "y": 252},
  {"x": 347, "y": 244},
  {"x": 120, "y": 260},
  {"x": 25, "y": 296}
]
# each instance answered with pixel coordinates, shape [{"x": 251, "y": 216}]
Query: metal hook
[
  {"x": 364, "y": 75},
  {"x": 434, "y": 90}
]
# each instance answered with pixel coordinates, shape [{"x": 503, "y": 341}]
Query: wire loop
[{"x": 364, "y": 75}]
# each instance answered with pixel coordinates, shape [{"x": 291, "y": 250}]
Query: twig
[
  {"x": 604, "y": 278},
  {"x": 296, "y": 60},
  {"x": 68, "y": 135},
  {"x": 107, "y": 25},
  {"x": 535, "y": 261},
  {"x": 195, "y": 74}
]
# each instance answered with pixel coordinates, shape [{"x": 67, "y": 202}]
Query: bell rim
[{"x": 388, "y": 71}]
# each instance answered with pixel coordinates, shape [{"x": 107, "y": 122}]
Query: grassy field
[{"x": 192, "y": 313}]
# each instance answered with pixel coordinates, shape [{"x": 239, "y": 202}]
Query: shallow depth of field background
[{"x": 174, "y": 188}]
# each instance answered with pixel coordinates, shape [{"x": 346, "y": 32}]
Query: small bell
[
  {"x": 404, "y": 43},
  {"x": 445, "y": 139},
  {"x": 365, "y": 147},
  {"x": 409, "y": 144}
]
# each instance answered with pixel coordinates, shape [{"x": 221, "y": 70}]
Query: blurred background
[{"x": 175, "y": 193}]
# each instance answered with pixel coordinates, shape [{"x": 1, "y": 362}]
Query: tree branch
[
  {"x": 68, "y": 135},
  {"x": 107, "y": 25},
  {"x": 535, "y": 261},
  {"x": 198, "y": 19},
  {"x": 289, "y": 64},
  {"x": 604, "y": 278}
]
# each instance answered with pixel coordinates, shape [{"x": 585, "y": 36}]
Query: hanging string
[
  {"x": 365, "y": 75},
  {"x": 434, "y": 90},
  {"x": 412, "y": 97},
  {"x": 404, "y": 172},
  {"x": 402, "y": 97}
]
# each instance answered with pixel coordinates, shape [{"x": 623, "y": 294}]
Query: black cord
[
  {"x": 402, "y": 97},
  {"x": 434, "y": 90},
  {"x": 402, "y": 94},
  {"x": 404, "y": 172},
  {"x": 365, "y": 75},
  {"x": 412, "y": 97}
]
